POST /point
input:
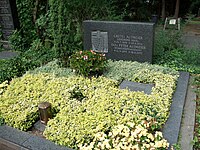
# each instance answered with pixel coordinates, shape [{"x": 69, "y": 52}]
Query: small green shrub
[
  {"x": 197, "y": 84},
  {"x": 88, "y": 63},
  {"x": 1, "y": 120},
  {"x": 181, "y": 59},
  {"x": 12, "y": 68},
  {"x": 36, "y": 56},
  {"x": 54, "y": 68},
  {"x": 170, "y": 52},
  {"x": 126, "y": 70},
  {"x": 166, "y": 41}
]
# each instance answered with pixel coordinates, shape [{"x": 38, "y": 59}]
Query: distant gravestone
[
  {"x": 120, "y": 40},
  {"x": 8, "y": 17},
  {"x": 172, "y": 23},
  {"x": 134, "y": 86}
]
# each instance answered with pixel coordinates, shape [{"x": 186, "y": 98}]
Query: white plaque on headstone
[{"x": 99, "y": 41}]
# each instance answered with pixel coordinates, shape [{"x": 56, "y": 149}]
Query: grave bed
[
  {"x": 184, "y": 79},
  {"x": 11, "y": 137}
]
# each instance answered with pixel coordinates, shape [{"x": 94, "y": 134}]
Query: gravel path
[{"x": 191, "y": 37}]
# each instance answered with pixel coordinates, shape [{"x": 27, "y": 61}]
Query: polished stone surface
[
  {"x": 171, "y": 129},
  {"x": 120, "y": 40},
  {"x": 134, "y": 86}
]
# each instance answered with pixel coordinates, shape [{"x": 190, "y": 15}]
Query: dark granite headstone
[
  {"x": 8, "y": 17},
  {"x": 134, "y": 86},
  {"x": 120, "y": 40}
]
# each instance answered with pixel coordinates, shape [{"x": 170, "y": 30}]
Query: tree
[
  {"x": 163, "y": 10},
  {"x": 177, "y": 9}
]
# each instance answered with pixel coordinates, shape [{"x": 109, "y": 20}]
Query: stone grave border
[
  {"x": 10, "y": 137},
  {"x": 172, "y": 127}
]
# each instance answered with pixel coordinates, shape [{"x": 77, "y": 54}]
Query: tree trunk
[
  {"x": 163, "y": 10},
  {"x": 177, "y": 9},
  {"x": 35, "y": 11}
]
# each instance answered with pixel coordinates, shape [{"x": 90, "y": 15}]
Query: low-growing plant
[
  {"x": 197, "y": 84},
  {"x": 36, "y": 56},
  {"x": 127, "y": 137},
  {"x": 126, "y": 70},
  {"x": 54, "y": 67},
  {"x": 88, "y": 63},
  {"x": 196, "y": 140},
  {"x": 181, "y": 59},
  {"x": 86, "y": 106},
  {"x": 1, "y": 120},
  {"x": 166, "y": 41}
]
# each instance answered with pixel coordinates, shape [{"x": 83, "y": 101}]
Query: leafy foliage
[
  {"x": 170, "y": 52},
  {"x": 166, "y": 40},
  {"x": 129, "y": 136},
  {"x": 1, "y": 120},
  {"x": 88, "y": 63},
  {"x": 36, "y": 56},
  {"x": 22, "y": 38},
  {"x": 181, "y": 59},
  {"x": 196, "y": 140},
  {"x": 54, "y": 67},
  {"x": 65, "y": 24},
  {"x": 77, "y": 99},
  {"x": 127, "y": 70}
]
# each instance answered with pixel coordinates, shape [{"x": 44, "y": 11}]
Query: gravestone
[
  {"x": 8, "y": 18},
  {"x": 120, "y": 40},
  {"x": 135, "y": 86}
]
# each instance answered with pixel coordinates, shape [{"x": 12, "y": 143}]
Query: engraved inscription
[
  {"x": 4, "y": 11},
  {"x": 99, "y": 41},
  {"x": 3, "y": 4},
  {"x": 7, "y": 33},
  {"x": 128, "y": 44},
  {"x": 5, "y": 18},
  {"x": 7, "y": 25}
]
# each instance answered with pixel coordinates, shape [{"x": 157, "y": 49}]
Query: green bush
[
  {"x": 65, "y": 22},
  {"x": 170, "y": 52},
  {"x": 88, "y": 63},
  {"x": 197, "y": 84},
  {"x": 126, "y": 70},
  {"x": 181, "y": 59},
  {"x": 1, "y": 120},
  {"x": 36, "y": 56},
  {"x": 166, "y": 40},
  {"x": 54, "y": 67},
  {"x": 12, "y": 68}
]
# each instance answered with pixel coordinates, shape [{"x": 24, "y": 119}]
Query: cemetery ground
[{"x": 48, "y": 78}]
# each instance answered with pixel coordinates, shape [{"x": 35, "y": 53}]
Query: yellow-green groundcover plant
[{"x": 93, "y": 113}]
